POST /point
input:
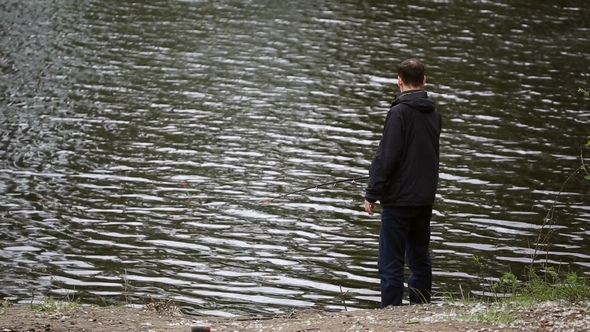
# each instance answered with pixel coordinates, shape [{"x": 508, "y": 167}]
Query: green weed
[
  {"x": 555, "y": 285},
  {"x": 51, "y": 305},
  {"x": 491, "y": 315},
  {"x": 5, "y": 305},
  {"x": 508, "y": 285}
]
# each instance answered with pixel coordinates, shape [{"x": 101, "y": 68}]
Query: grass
[
  {"x": 545, "y": 283},
  {"x": 69, "y": 302},
  {"x": 555, "y": 285},
  {"x": 50, "y": 304},
  {"x": 508, "y": 294},
  {"x": 494, "y": 314},
  {"x": 5, "y": 305}
]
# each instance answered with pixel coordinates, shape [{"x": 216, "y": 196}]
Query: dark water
[{"x": 138, "y": 139}]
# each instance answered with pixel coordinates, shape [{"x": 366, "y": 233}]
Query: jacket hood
[{"x": 417, "y": 99}]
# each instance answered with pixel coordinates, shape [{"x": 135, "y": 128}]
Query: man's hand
[{"x": 369, "y": 207}]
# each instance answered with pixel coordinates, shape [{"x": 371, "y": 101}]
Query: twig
[
  {"x": 343, "y": 298},
  {"x": 543, "y": 239}
]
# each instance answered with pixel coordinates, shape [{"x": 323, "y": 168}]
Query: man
[{"x": 403, "y": 177}]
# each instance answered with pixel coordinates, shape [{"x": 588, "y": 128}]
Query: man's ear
[{"x": 424, "y": 81}]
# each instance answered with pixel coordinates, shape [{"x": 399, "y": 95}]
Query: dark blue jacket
[{"x": 404, "y": 171}]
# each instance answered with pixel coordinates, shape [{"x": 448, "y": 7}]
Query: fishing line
[{"x": 319, "y": 185}]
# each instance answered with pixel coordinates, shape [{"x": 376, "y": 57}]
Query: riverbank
[{"x": 546, "y": 316}]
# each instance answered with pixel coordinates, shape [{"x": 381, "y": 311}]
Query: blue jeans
[{"x": 405, "y": 235}]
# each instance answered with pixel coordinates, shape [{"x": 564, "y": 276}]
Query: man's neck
[{"x": 408, "y": 89}]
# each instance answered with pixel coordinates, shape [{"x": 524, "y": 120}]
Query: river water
[{"x": 139, "y": 138}]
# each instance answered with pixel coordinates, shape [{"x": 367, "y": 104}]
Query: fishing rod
[{"x": 319, "y": 185}]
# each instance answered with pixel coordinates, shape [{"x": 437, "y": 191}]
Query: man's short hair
[{"x": 412, "y": 72}]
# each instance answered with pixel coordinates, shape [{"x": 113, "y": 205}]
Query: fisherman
[{"x": 403, "y": 177}]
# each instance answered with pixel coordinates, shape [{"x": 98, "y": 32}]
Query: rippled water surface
[{"x": 139, "y": 139}]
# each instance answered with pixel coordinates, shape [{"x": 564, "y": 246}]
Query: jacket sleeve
[{"x": 388, "y": 156}]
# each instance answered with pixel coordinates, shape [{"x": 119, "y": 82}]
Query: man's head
[{"x": 410, "y": 75}]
